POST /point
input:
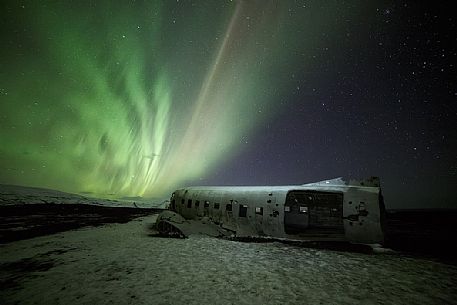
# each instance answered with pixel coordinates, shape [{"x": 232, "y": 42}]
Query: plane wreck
[{"x": 330, "y": 210}]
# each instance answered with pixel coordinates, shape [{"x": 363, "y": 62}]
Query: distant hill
[{"x": 24, "y": 195}]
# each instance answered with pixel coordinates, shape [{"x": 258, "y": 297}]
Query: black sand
[{"x": 26, "y": 221}]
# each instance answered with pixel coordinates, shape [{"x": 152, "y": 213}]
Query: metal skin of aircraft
[{"x": 328, "y": 211}]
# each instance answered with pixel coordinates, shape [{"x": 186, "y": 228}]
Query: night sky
[{"x": 137, "y": 98}]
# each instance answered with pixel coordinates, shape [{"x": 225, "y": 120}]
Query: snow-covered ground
[
  {"x": 123, "y": 264},
  {"x": 23, "y": 195}
]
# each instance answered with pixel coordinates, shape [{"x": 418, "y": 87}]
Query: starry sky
[{"x": 137, "y": 98}]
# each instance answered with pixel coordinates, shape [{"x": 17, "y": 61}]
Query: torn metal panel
[{"x": 172, "y": 224}]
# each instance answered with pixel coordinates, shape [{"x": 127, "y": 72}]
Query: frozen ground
[
  {"x": 123, "y": 264},
  {"x": 11, "y": 195}
]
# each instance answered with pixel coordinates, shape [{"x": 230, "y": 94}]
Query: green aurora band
[{"x": 122, "y": 99}]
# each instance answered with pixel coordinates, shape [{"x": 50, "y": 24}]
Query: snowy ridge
[{"x": 21, "y": 195}]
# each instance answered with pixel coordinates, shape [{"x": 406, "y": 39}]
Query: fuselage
[{"x": 329, "y": 210}]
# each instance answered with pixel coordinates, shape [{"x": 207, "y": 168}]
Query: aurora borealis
[
  {"x": 135, "y": 98},
  {"x": 109, "y": 110}
]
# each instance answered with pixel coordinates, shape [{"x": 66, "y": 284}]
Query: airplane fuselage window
[{"x": 243, "y": 210}]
